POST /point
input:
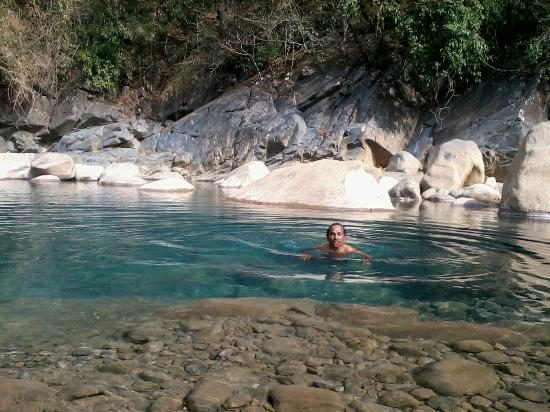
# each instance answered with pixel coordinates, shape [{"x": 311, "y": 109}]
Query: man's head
[{"x": 336, "y": 235}]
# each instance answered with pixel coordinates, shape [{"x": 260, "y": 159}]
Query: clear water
[{"x": 80, "y": 249}]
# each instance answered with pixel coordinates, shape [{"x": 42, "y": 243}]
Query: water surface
[{"x": 74, "y": 253}]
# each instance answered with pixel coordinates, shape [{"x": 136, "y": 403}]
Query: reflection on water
[{"x": 73, "y": 244}]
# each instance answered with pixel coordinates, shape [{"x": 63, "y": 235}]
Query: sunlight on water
[{"x": 72, "y": 243}]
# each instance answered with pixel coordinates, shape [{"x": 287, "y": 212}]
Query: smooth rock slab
[
  {"x": 15, "y": 165},
  {"x": 45, "y": 179},
  {"x": 472, "y": 345},
  {"x": 325, "y": 183},
  {"x": 245, "y": 174},
  {"x": 57, "y": 164},
  {"x": 294, "y": 398},
  {"x": 87, "y": 173},
  {"x": 456, "y": 377},
  {"x": 171, "y": 184}
]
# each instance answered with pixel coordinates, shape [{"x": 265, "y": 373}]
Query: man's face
[{"x": 336, "y": 237}]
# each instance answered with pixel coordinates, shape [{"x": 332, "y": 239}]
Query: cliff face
[{"x": 347, "y": 114}]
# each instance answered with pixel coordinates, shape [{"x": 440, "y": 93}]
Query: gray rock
[
  {"x": 531, "y": 393},
  {"x": 81, "y": 391},
  {"x": 496, "y": 116},
  {"x": 524, "y": 406}
]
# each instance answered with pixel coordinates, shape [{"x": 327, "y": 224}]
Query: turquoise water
[{"x": 82, "y": 243}]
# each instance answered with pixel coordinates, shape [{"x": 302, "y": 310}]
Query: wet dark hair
[{"x": 337, "y": 224}]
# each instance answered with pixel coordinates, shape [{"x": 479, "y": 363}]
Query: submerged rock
[{"x": 455, "y": 377}]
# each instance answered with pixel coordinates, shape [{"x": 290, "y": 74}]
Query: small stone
[
  {"x": 422, "y": 393},
  {"x": 154, "y": 376},
  {"x": 513, "y": 369},
  {"x": 398, "y": 399},
  {"x": 456, "y": 377},
  {"x": 166, "y": 404},
  {"x": 524, "y": 406},
  {"x": 81, "y": 391},
  {"x": 195, "y": 368},
  {"x": 494, "y": 357},
  {"x": 446, "y": 404},
  {"x": 153, "y": 347},
  {"x": 237, "y": 401},
  {"x": 291, "y": 368},
  {"x": 480, "y": 402},
  {"x": 531, "y": 393},
  {"x": 472, "y": 346},
  {"x": 293, "y": 398}
]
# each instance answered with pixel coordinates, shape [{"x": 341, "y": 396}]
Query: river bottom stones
[{"x": 261, "y": 355}]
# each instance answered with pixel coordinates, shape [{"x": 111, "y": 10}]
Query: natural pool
[{"x": 74, "y": 256}]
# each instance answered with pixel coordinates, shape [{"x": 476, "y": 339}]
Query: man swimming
[{"x": 336, "y": 245}]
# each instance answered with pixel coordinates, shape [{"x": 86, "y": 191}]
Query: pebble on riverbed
[{"x": 259, "y": 355}]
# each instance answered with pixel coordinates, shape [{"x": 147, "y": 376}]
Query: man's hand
[{"x": 305, "y": 257}]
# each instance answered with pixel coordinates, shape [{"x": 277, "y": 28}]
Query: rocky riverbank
[{"x": 283, "y": 355}]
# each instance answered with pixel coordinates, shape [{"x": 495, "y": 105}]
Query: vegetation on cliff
[{"x": 47, "y": 45}]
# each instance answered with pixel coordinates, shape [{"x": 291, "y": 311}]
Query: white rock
[
  {"x": 121, "y": 174},
  {"x": 88, "y": 173},
  {"x": 15, "y": 165},
  {"x": 163, "y": 175},
  {"x": 45, "y": 179},
  {"x": 407, "y": 190},
  {"x": 244, "y": 175},
  {"x": 324, "y": 183},
  {"x": 404, "y": 162},
  {"x": 171, "y": 184},
  {"x": 482, "y": 193},
  {"x": 527, "y": 185},
  {"x": 57, "y": 164},
  {"x": 453, "y": 165},
  {"x": 387, "y": 182}
]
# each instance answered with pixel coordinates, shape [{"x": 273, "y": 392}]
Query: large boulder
[
  {"x": 453, "y": 165},
  {"x": 245, "y": 174},
  {"x": 527, "y": 187},
  {"x": 15, "y": 165},
  {"x": 495, "y": 115},
  {"x": 324, "y": 183},
  {"x": 407, "y": 190},
  {"x": 56, "y": 164}
]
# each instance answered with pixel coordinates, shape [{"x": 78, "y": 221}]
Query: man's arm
[{"x": 366, "y": 257}]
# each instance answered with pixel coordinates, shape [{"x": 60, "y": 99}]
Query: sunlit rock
[
  {"x": 121, "y": 174},
  {"x": 527, "y": 187},
  {"x": 454, "y": 165},
  {"x": 45, "y": 179},
  {"x": 57, "y": 164},
  {"x": 387, "y": 182},
  {"x": 15, "y": 165},
  {"x": 407, "y": 190},
  {"x": 171, "y": 184},
  {"x": 88, "y": 173},
  {"x": 288, "y": 398},
  {"x": 245, "y": 174},
  {"x": 482, "y": 193},
  {"x": 404, "y": 162},
  {"x": 325, "y": 183}
]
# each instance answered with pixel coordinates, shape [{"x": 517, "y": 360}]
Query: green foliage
[{"x": 106, "y": 44}]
